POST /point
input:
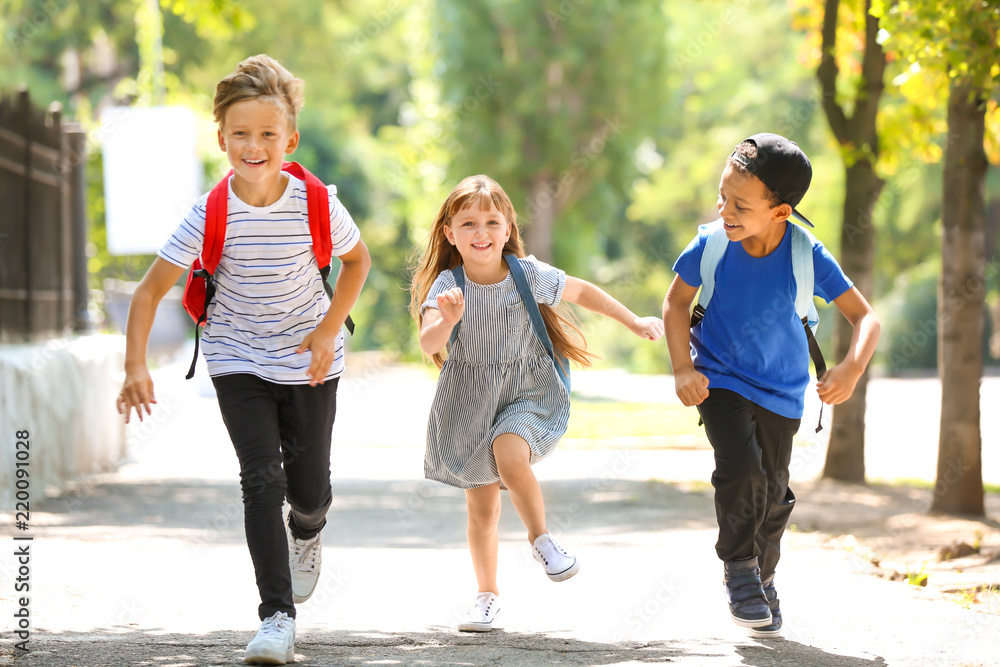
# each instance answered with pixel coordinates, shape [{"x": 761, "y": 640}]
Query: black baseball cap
[{"x": 782, "y": 166}]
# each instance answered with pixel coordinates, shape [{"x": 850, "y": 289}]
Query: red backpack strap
[
  {"x": 216, "y": 214},
  {"x": 318, "y": 199}
]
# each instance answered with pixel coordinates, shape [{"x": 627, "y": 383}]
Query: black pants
[
  {"x": 282, "y": 438},
  {"x": 752, "y": 500}
]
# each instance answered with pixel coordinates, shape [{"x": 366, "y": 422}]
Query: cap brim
[{"x": 802, "y": 218}]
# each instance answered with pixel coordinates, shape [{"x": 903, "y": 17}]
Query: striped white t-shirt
[{"x": 269, "y": 290}]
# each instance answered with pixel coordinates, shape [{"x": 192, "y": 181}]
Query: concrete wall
[{"x": 63, "y": 393}]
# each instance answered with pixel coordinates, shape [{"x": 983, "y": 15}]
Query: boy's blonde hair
[
  {"x": 441, "y": 255},
  {"x": 260, "y": 77}
]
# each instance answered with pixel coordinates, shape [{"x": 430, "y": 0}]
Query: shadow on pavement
[
  {"x": 436, "y": 647},
  {"x": 367, "y": 513},
  {"x": 771, "y": 652}
]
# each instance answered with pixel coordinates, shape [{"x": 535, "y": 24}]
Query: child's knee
[
  {"x": 263, "y": 481},
  {"x": 484, "y": 518},
  {"x": 512, "y": 454}
]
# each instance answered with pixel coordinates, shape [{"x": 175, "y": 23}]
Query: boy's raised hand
[
  {"x": 837, "y": 384},
  {"x": 650, "y": 328},
  {"x": 137, "y": 392},
  {"x": 451, "y": 305},
  {"x": 691, "y": 386}
]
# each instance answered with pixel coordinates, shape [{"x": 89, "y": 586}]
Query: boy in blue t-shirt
[{"x": 746, "y": 363}]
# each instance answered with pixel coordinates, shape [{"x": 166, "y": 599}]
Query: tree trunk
[
  {"x": 845, "y": 455},
  {"x": 857, "y": 135},
  {"x": 961, "y": 295},
  {"x": 540, "y": 218}
]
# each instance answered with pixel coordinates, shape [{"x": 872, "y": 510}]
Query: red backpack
[{"x": 200, "y": 288}]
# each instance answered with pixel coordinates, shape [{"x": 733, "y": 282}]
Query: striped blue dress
[{"x": 498, "y": 379}]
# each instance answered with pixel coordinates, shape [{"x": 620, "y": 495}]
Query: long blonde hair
[{"x": 443, "y": 256}]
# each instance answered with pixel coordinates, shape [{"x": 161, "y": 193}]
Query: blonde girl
[{"x": 500, "y": 404}]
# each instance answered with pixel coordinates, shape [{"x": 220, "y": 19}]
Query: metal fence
[{"x": 43, "y": 274}]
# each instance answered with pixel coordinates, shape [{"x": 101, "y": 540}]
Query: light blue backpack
[{"x": 802, "y": 271}]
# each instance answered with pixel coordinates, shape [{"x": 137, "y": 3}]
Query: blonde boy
[{"x": 273, "y": 341}]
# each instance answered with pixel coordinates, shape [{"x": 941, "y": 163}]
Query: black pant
[
  {"x": 282, "y": 438},
  {"x": 752, "y": 500}
]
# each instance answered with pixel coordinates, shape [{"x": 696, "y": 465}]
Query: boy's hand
[
  {"x": 323, "y": 345},
  {"x": 691, "y": 386},
  {"x": 451, "y": 305},
  {"x": 137, "y": 392},
  {"x": 837, "y": 384},
  {"x": 650, "y": 328}
]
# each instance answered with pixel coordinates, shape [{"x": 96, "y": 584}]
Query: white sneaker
[
  {"x": 559, "y": 565},
  {"x": 274, "y": 643},
  {"x": 480, "y": 617},
  {"x": 304, "y": 560}
]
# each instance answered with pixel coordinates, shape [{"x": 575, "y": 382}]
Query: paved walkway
[{"x": 148, "y": 566}]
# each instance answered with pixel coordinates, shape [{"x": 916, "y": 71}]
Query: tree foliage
[{"x": 553, "y": 100}]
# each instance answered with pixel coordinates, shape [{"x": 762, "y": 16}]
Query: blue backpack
[
  {"x": 802, "y": 271},
  {"x": 534, "y": 314}
]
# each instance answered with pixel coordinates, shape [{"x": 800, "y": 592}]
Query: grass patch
[{"x": 598, "y": 419}]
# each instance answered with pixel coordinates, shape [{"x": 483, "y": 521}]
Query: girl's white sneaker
[
  {"x": 480, "y": 617},
  {"x": 558, "y": 564}
]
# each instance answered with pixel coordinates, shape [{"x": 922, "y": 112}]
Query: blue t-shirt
[{"x": 750, "y": 340}]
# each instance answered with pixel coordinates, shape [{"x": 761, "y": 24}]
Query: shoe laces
[
  {"x": 276, "y": 625},
  {"x": 305, "y": 554},
  {"x": 484, "y": 602},
  {"x": 553, "y": 546}
]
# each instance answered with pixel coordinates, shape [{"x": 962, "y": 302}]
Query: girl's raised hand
[
  {"x": 451, "y": 305},
  {"x": 650, "y": 328}
]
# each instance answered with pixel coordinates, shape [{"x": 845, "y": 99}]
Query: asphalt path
[{"x": 148, "y": 565}]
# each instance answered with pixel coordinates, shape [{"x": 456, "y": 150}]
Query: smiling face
[
  {"x": 479, "y": 236},
  {"x": 256, "y": 136},
  {"x": 748, "y": 214}
]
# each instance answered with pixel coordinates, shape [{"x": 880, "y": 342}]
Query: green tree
[
  {"x": 850, "y": 74},
  {"x": 959, "y": 42},
  {"x": 552, "y": 99}
]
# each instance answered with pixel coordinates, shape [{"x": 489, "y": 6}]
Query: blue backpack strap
[
  {"x": 715, "y": 247},
  {"x": 535, "y": 315},
  {"x": 805, "y": 307},
  {"x": 459, "y": 274},
  {"x": 805, "y": 276}
]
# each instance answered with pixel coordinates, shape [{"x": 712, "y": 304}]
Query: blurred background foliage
[{"x": 608, "y": 122}]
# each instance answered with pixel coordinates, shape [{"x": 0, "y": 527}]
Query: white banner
[{"x": 152, "y": 175}]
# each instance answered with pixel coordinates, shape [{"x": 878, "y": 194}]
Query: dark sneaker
[
  {"x": 774, "y": 629},
  {"x": 747, "y": 605}
]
